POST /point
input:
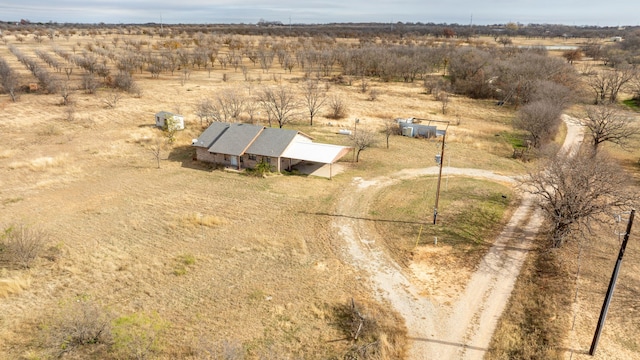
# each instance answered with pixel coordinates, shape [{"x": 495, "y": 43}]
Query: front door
[{"x": 234, "y": 161}]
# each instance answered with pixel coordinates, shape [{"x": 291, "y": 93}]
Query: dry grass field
[{"x": 207, "y": 263}]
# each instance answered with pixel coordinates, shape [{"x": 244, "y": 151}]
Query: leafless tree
[
  {"x": 65, "y": 92},
  {"x": 204, "y": 110},
  {"x": 361, "y": 140},
  {"x": 575, "y": 190},
  {"x": 68, "y": 71},
  {"x": 280, "y": 104},
  {"x": 227, "y": 106},
  {"x": 443, "y": 97},
  {"x": 112, "y": 98},
  {"x": 540, "y": 119},
  {"x": 608, "y": 83},
  {"x": 390, "y": 128},
  {"x": 89, "y": 83},
  {"x": 9, "y": 80},
  {"x": 505, "y": 40},
  {"x": 265, "y": 57},
  {"x": 156, "y": 151},
  {"x": 558, "y": 94},
  {"x": 572, "y": 55},
  {"x": 314, "y": 98},
  {"x": 606, "y": 124}
]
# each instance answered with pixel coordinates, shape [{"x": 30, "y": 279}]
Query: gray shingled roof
[
  {"x": 235, "y": 139},
  {"x": 272, "y": 142},
  {"x": 211, "y": 134}
]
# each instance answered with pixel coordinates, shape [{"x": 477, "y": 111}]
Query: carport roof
[{"x": 321, "y": 153}]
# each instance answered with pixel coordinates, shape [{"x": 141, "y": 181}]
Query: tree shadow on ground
[{"x": 185, "y": 155}]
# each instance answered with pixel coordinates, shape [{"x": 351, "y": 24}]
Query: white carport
[{"x": 316, "y": 152}]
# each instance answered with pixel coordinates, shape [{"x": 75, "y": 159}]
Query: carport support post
[
  {"x": 435, "y": 209},
  {"x": 612, "y": 285}
]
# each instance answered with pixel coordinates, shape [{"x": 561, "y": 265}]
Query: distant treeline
[{"x": 356, "y": 30}]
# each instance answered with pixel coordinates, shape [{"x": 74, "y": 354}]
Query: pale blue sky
[{"x": 569, "y": 12}]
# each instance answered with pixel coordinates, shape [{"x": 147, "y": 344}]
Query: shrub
[
  {"x": 23, "y": 244},
  {"x": 337, "y": 108},
  {"x": 261, "y": 169},
  {"x": 79, "y": 324}
]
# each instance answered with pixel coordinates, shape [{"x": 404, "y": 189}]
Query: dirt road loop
[{"x": 437, "y": 331}]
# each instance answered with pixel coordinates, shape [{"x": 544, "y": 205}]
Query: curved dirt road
[{"x": 463, "y": 328}]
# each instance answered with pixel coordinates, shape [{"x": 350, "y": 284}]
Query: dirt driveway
[{"x": 458, "y": 328}]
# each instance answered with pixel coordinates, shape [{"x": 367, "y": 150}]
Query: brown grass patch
[
  {"x": 14, "y": 285},
  {"x": 39, "y": 164},
  {"x": 198, "y": 219}
]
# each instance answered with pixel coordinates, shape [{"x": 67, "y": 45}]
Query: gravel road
[{"x": 461, "y": 329}]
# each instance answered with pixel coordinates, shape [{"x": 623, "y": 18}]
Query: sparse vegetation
[{"x": 142, "y": 242}]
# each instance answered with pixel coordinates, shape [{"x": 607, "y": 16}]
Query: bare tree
[
  {"x": 540, "y": 119},
  {"x": 280, "y": 104},
  {"x": 443, "y": 97},
  {"x": 9, "y": 80},
  {"x": 607, "y": 84},
  {"x": 572, "y": 55},
  {"x": 112, "y": 99},
  {"x": 227, "y": 106},
  {"x": 89, "y": 83},
  {"x": 574, "y": 190},
  {"x": 156, "y": 151},
  {"x": 390, "y": 128},
  {"x": 65, "y": 92},
  {"x": 362, "y": 140},
  {"x": 606, "y": 124},
  {"x": 204, "y": 110},
  {"x": 314, "y": 98}
]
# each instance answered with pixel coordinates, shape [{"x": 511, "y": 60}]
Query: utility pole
[
  {"x": 444, "y": 136},
  {"x": 435, "y": 209},
  {"x": 612, "y": 285}
]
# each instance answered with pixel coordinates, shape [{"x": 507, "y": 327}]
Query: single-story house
[
  {"x": 239, "y": 146},
  {"x": 177, "y": 120}
]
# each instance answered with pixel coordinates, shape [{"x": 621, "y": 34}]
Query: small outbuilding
[
  {"x": 165, "y": 119},
  {"x": 409, "y": 127}
]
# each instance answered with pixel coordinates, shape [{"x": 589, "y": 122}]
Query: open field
[{"x": 229, "y": 261}]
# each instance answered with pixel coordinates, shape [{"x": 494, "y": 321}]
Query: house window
[
  {"x": 267, "y": 159},
  {"x": 252, "y": 157}
]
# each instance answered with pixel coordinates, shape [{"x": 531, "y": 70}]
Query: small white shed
[{"x": 175, "y": 119}]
